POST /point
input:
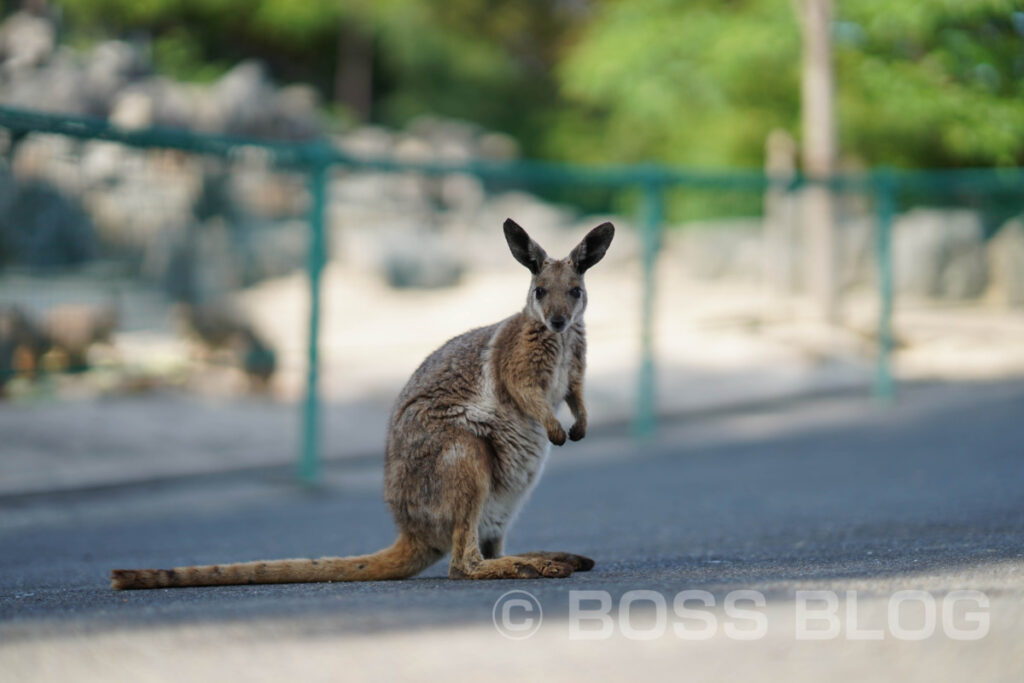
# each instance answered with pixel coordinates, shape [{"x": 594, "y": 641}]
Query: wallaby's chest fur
[{"x": 468, "y": 386}]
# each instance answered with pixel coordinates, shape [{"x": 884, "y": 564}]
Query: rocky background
[{"x": 195, "y": 231}]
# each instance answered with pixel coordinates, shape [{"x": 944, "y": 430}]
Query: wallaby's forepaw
[
  {"x": 577, "y": 431},
  {"x": 556, "y": 436}
]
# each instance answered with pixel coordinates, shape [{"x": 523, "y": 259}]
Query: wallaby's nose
[{"x": 557, "y": 323}]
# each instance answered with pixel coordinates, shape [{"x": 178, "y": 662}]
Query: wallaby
[
  {"x": 22, "y": 346},
  {"x": 221, "y": 327},
  {"x": 468, "y": 437},
  {"x": 74, "y": 328}
]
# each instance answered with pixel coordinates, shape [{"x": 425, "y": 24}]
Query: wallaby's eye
[
  {"x": 576, "y": 292},
  {"x": 540, "y": 292}
]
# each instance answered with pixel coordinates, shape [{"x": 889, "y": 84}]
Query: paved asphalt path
[{"x": 833, "y": 493}]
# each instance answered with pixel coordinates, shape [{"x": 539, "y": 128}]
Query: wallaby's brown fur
[{"x": 467, "y": 441}]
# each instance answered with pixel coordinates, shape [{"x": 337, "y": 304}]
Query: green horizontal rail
[
  {"x": 90, "y": 128},
  {"x": 319, "y": 151},
  {"x": 317, "y": 155}
]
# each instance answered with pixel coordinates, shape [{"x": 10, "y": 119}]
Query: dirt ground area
[{"x": 718, "y": 345}]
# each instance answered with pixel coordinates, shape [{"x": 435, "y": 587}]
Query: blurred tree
[
  {"x": 199, "y": 39},
  {"x": 485, "y": 60},
  {"x": 701, "y": 82},
  {"x": 932, "y": 83},
  {"x": 921, "y": 82},
  {"x": 697, "y": 83}
]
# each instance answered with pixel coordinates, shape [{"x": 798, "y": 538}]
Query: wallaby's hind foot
[
  {"x": 467, "y": 465},
  {"x": 579, "y": 563},
  {"x": 512, "y": 567}
]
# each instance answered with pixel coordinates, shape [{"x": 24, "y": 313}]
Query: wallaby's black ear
[
  {"x": 523, "y": 248},
  {"x": 591, "y": 250}
]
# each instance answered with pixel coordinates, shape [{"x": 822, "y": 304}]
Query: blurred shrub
[
  {"x": 929, "y": 83},
  {"x": 921, "y": 82}
]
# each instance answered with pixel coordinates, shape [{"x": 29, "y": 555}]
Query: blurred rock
[
  {"x": 133, "y": 110},
  {"x": 74, "y": 328},
  {"x": 56, "y": 86},
  {"x": 428, "y": 263},
  {"x": 155, "y": 101},
  {"x": 295, "y": 113},
  {"x": 939, "y": 253},
  {"x": 721, "y": 249},
  {"x": 463, "y": 192},
  {"x": 174, "y": 104},
  {"x": 368, "y": 142},
  {"x": 242, "y": 96},
  {"x": 222, "y": 328},
  {"x": 271, "y": 249},
  {"x": 263, "y": 191},
  {"x": 42, "y": 228},
  {"x": 454, "y": 151},
  {"x": 197, "y": 237},
  {"x": 857, "y": 257},
  {"x": 27, "y": 40},
  {"x": 135, "y": 195},
  {"x": 102, "y": 163},
  {"x": 1005, "y": 254},
  {"x": 411, "y": 149},
  {"x": 22, "y": 345},
  {"x": 109, "y": 68},
  {"x": 216, "y": 261},
  {"x": 440, "y": 132},
  {"x": 214, "y": 324},
  {"x": 349, "y": 188},
  {"x": 965, "y": 275},
  {"x": 540, "y": 218},
  {"x": 50, "y": 159},
  {"x": 498, "y": 147},
  {"x": 245, "y": 102}
]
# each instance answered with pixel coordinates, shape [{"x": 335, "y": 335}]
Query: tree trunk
[
  {"x": 353, "y": 75},
  {"x": 819, "y": 157}
]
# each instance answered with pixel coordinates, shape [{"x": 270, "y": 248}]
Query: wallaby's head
[{"x": 557, "y": 295}]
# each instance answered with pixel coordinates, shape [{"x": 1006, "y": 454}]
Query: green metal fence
[{"x": 651, "y": 182}]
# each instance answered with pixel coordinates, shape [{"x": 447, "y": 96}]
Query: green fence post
[
  {"x": 644, "y": 419},
  {"x": 309, "y": 462},
  {"x": 883, "y": 384}
]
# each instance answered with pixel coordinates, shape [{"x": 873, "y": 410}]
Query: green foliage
[
  {"x": 432, "y": 68},
  {"x": 483, "y": 60},
  {"x": 932, "y": 82},
  {"x": 199, "y": 39},
  {"x": 920, "y": 82},
  {"x": 695, "y": 83},
  {"x": 178, "y": 54}
]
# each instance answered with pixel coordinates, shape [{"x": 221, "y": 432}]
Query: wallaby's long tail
[{"x": 402, "y": 560}]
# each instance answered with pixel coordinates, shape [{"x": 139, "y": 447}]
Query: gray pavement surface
[{"x": 835, "y": 493}]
